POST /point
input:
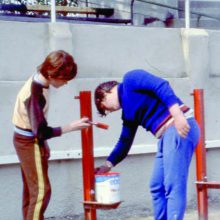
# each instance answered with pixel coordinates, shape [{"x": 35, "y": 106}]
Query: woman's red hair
[{"x": 58, "y": 65}]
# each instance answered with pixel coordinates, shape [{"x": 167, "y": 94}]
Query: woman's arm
[
  {"x": 39, "y": 123},
  {"x": 76, "y": 125}
]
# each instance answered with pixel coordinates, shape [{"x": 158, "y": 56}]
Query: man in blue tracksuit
[{"x": 148, "y": 101}]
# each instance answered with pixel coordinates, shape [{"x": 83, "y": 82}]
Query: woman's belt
[{"x": 24, "y": 132}]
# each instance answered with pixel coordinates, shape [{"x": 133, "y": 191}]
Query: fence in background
[{"x": 146, "y": 12}]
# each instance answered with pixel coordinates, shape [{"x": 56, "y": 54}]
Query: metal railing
[
  {"x": 77, "y": 3},
  {"x": 185, "y": 9}
]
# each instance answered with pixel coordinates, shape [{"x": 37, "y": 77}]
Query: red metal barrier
[
  {"x": 202, "y": 182},
  {"x": 87, "y": 155},
  {"x": 90, "y": 205},
  {"x": 201, "y": 156}
]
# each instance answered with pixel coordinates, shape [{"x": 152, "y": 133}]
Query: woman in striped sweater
[{"x": 31, "y": 130}]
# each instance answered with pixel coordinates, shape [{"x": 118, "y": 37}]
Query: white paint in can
[{"x": 107, "y": 188}]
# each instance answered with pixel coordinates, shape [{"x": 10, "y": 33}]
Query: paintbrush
[{"x": 99, "y": 125}]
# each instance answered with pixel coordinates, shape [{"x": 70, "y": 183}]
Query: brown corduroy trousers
[{"x": 34, "y": 168}]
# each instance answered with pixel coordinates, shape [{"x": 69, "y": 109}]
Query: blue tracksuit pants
[{"x": 169, "y": 179}]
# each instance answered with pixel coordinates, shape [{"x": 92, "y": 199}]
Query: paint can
[{"x": 107, "y": 187}]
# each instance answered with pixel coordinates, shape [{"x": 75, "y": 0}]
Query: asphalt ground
[{"x": 214, "y": 214}]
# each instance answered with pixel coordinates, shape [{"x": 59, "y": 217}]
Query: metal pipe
[
  {"x": 202, "y": 195},
  {"x": 179, "y": 9},
  {"x": 87, "y": 155},
  {"x": 132, "y": 11},
  {"x": 53, "y": 11},
  {"x": 187, "y": 14}
]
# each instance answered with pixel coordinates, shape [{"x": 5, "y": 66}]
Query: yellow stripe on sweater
[{"x": 40, "y": 177}]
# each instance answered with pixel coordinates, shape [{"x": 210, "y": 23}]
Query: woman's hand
[
  {"x": 80, "y": 124},
  {"x": 45, "y": 150},
  {"x": 76, "y": 125}
]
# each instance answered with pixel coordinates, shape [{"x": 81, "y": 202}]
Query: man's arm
[{"x": 121, "y": 149}]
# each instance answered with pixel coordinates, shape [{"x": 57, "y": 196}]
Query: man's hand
[
  {"x": 102, "y": 169},
  {"x": 180, "y": 122},
  {"x": 182, "y": 126}
]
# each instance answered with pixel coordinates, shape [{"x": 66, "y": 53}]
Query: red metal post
[
  {"x": 201, "y": 155},
  {"x": 87, "y": 155}
]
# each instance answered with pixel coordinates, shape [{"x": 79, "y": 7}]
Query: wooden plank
[
  {"x": 59, "y": 9},
  {"x": 107, "y": 12}
]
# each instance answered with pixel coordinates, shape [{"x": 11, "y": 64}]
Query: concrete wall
[{"x": 187, "y": 58}]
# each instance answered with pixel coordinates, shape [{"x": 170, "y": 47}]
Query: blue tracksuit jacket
[{"x": 145, "y": 100}]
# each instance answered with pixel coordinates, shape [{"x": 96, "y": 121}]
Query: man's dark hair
[{"x": 100, "y": 92}]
